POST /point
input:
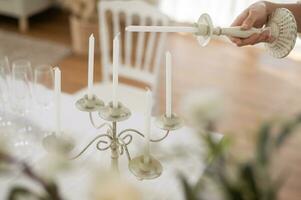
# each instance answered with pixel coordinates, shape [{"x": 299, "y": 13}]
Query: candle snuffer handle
[{"x": 239, "y": 32}]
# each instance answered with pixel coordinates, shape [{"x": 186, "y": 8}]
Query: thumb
[{"x": 249, "y": 21}]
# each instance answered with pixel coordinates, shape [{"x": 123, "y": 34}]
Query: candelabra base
[
  {"x": 143, "y": 170},
  {"x": 169, "y": 123}
]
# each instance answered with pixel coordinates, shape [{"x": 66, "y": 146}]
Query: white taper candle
[
  {"x": 166, "y": 29},
  {"x": 115, "y": 69},
  {"x": 148, "y": 117},
  {"x": 57, "y": 100},
  {"x": 91, "y": 66},
  {"x": 168, "y": 80}
]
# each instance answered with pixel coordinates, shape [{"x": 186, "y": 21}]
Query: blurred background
[{"x": 255, "y": 86}]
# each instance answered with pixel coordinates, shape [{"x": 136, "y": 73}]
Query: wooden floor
[{"x": 255, "y": 86}]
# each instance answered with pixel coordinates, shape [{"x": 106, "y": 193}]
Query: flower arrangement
[{"x": 226, "y": 177}]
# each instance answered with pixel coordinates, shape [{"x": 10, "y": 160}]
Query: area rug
[{"x": 38, "y": 51}]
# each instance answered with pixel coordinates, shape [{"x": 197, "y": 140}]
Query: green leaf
[
  {"x": 263, "y": 144},
  {"x": 248, "y": 176},
  {"x": 53, "y": 190},
  {"x": 216, "y": 148},
  {"x": 19, "y": 191},
  {"x": 231, "y": 191},
  {"x": 287, "y": 130},
  {"x": 189, "y": 191}
]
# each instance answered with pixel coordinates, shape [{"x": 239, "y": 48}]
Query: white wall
[{"x": 222, "y": 11}]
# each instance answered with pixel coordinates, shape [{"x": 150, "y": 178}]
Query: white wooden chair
[{"x": 140, "y": 53}]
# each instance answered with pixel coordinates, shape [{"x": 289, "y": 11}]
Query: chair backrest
[{"x": 140, "y": 53}]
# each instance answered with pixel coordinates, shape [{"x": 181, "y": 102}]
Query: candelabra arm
[
  {"x": 98, "y": 126},
  {"x": 141, "y": 134},
  {"x": 130, "y": 130},
  {"x": 127, "y": 153},
  {"x": 162, "y": 138},
  {"x": 90, "y": 143}
]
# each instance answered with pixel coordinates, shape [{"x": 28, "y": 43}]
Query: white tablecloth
[{"x": 74, "y": 185}]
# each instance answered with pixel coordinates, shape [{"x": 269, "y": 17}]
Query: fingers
[
  {"x": 235, "y": 40},
  {"x": 238, "y": 22},
  {"x": 240, "y": 19},
  {"x": 249, "y": 41},
  {"x": 250, "y": 20},
  {"x": 254, "y": 39},
  {"x": 254, "y": 16},
  {"x": 247, "y": 20}
]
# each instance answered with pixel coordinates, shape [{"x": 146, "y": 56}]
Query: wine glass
[
  {"x": 43, "y": 86},
  {"x": 22, "y": 140},
  {"x": 43, "y": 95},
  {"x": 4, "y": 90},
  {"x": 21, "y": 86}
]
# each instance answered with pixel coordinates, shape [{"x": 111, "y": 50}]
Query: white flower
[
  {"x": 57, "y": 160},
  {"x": 52, "y": 165},
  {"x": 111, "y": 187},
  {"x": 203, "y": 107}
]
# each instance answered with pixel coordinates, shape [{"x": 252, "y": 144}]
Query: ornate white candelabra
[
  {"x": 145, "y": 166},
  {"x": 282, "y": 26},
  {"x": 117, "y": 141}
]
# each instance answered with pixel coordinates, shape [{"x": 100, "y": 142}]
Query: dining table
[{"x": 182, "y": 153}]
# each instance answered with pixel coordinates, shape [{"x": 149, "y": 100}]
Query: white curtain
[{"x": 222, "y": 12}]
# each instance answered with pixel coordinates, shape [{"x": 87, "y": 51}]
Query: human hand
[{"x": 254, "y": 16}]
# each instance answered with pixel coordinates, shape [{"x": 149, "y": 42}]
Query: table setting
[
  {"x": 84, "y": 132},
  {"x": 44, "y": 112},
  {"x": 40, "y": 122}
]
